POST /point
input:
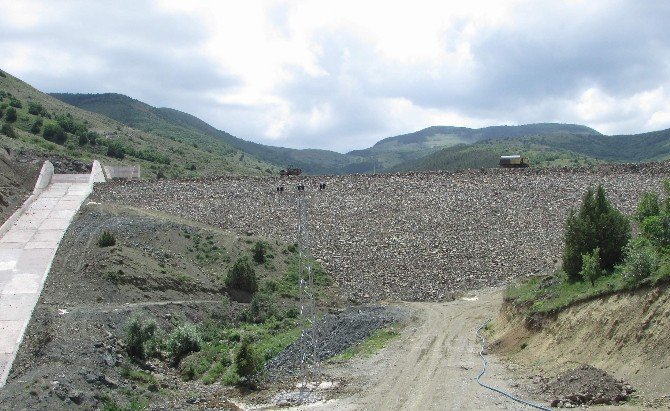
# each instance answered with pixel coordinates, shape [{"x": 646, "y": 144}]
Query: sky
[{"x": 341, "y": 75}]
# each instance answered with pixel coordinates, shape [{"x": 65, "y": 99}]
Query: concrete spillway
[{"x": 28, "y": 244}]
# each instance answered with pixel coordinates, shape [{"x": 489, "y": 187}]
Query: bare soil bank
[{"x": 624, "y": 334}]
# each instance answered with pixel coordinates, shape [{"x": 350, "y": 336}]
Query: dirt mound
[{"x": 587, "y": 385}]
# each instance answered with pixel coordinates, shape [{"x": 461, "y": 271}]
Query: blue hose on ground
[{"x": 499, "y": 391}]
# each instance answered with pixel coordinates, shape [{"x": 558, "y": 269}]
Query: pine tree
[{"x": 597, "y": 225}]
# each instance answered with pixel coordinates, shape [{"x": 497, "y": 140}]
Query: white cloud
[{"x": 344, "y": 74}]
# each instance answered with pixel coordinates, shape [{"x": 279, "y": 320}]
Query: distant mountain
[
  {"x": 83, "y": 135},
  {"x": 393, "y": 151},
  {"x": 384, "y": 155},
  {"x": 556, "y": 149}
]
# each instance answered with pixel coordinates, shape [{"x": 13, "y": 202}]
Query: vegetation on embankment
[
  {"x": 600, "y": 258},
  {"x": 146, "y": 314}
]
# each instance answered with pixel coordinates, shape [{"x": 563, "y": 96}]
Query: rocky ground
[
  {"x": 409, "y": 236},
  {"x": 586, "y": 385},
  {"x": 336, "y": 332},
  {"x": 17, "y": 180},
  {"x": 164, "y": 268},
  {"x": 62, "y": 165}
]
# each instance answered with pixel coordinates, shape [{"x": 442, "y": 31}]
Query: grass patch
[
  {"x": 554, "y": 292},
  {"x": 138, "y": 376},
  {"x": 214, "y": 362},
  {"x": 375, "y": 342}
]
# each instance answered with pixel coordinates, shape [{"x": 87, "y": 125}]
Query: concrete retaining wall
[
  {"x": 42, "y": 182},
  {"x": 127, "y": 173},
  {"x": 45, "y": 177}
]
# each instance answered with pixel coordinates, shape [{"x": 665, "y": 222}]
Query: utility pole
[{"x": 309, "y": 358}]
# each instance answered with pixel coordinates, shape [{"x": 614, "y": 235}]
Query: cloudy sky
[{"x": 343, "y": 74}]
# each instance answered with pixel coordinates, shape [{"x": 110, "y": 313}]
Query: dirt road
[{"x": 433, "y": 365}]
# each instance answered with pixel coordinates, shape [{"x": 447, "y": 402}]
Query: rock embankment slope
[{"x": 405, "y": 236}]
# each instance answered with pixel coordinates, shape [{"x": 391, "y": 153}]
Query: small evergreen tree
[
  {"x": 36, "y": 127},
  {"x": 597, "y": 225},
  {"x": 115, "y": 149},
  {"x": 35, "y": 108},
  {"x": 242, "y": 276},
  {"x": 248, "y": 363},
  {"x": 106, "y": 239}
]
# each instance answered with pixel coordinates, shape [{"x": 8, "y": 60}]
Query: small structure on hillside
[
  {"x": 291, "y": 171},
  {"x": 514, "y": 161},
  {"x": 122, "y": 172}
]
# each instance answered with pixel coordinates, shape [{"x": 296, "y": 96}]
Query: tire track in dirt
[{"x": 432, "y": 366}]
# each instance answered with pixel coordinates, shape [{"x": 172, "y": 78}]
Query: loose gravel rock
[
  {"x": 336, "y": 333},
  {"x": 419, "y": 236},
  {"x": 586, "y": 385}
]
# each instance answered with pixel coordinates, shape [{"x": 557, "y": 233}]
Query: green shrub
[
  {"x": 14, "y": 102},
  {"x": 116, "y": 149},
  {"x": 68, "y": 124},
  {"x": 36, "y": 127},
  {"x": 92, "y": 137},
  {"x": 54, "y": 133},
  {"x": 591, "y": 270},
  {"x": 249, "y": 363},
  {"x": 139, "y": 336},
  {"x": 641, "y": 260},
  {"x": 35, "y": 109},
  {"x": 107, "y": 239},
  {"x": 182, "y": 341},
  {"x": 10, "y": 115},
  {"x": 657, "y": 229},
  {"x": 2, "y": 74},
  {"x": 598, "y": 224},
  {"x": 261, "y": 308},
  {"x": 242, "y": 276},
  {"x": 648, "y": 206},
  {"x": 259, "y": 251},
  {"x": 8, "y": 130},
  {"x": 83, "y": 140}
]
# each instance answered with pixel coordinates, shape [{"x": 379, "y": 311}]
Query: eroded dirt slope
[{"x": 624, "y": 334}]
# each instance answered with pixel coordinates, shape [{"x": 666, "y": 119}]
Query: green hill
[
  {"x": 556, "y": 149},
  {"x": 391, "y": 153},
  {"x": 384, "y": 155},
  {"x": 48, "y": 127},
  {"x": 172, "y": 123}
]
